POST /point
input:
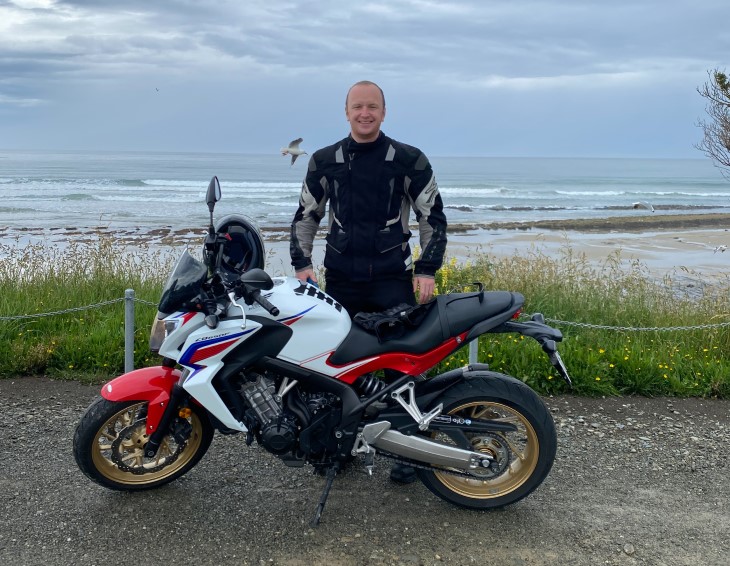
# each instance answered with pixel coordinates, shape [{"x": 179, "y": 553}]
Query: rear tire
[
  {"x": 110, "y": 439},
  {"x": 523, "y": 458}
]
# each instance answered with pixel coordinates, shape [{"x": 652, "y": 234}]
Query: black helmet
[{"x": 244, "y": 248}]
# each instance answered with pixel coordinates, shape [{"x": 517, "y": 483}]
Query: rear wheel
[
  {"x": 110, "y": 439},
  {"x": 522, "y": 459}
]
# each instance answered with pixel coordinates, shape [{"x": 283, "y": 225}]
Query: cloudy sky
[{"x": 605, "y": 78}]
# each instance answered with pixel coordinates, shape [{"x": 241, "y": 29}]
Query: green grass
[
  {"x": 623, "y": 358},
  {"x": 88, "y": 345}
]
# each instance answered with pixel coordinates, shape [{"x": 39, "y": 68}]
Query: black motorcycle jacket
[{"x": 371, "y": 188}]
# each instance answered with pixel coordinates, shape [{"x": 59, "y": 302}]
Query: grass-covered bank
[
  {"x": 660, "y": 338},
  {"x": 88, "y": 344},
  {"x": 84, "y": 344}
]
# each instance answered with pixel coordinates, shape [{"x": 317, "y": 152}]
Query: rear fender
[
  {"x": 427, "y": 391},
  {"x": 152, "y": 384}
]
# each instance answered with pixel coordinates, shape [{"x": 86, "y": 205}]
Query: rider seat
[{"x": 447, "y": 317}]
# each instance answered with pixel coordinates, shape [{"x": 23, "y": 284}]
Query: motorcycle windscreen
[{"x": 183, "y": 284}]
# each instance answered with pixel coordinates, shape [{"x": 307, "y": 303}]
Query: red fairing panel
[
  {"x": 152, "y": 384},
  {"x": 410, "y": 364}
]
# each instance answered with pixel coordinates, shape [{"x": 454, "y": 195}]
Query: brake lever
[{"x": 232, "y": 297}]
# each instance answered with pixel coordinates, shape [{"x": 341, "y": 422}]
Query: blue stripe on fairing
[
  {"x": 184, "y": 360},
  {"x": 296, "y": 315}
]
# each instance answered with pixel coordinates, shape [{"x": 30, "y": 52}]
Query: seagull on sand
[
  {"x": 293, "y": 150},
  {"x": 643, "y": 204},
  {"x": 720, "y": 248}
]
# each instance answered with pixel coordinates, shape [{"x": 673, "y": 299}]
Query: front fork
[
  {"x": 160, "y": 387},
  {"x": 163, "y": 426}
]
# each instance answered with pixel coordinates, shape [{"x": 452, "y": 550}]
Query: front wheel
[
  {"x": 522, "y": 459},
  {"x": 110, "y": 439}
]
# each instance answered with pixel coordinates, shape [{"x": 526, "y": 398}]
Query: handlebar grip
[{"x": 264, "y": 302}]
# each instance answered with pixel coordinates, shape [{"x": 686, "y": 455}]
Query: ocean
[{"x": 61, "y": 189}]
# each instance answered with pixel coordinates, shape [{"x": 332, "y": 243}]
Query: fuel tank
[{"x": 319, "y": 324}]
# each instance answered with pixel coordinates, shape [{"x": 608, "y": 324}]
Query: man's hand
[
  {"x": 306, "y": 274},
  {"x": 423, "y": 288}
]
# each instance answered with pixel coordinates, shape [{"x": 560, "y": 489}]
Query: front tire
[
  {"x": 110, "y": 439},
  {"x": 522, "y": 459}
]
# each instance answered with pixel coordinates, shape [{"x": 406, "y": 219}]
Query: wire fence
[
  {"x": 129, "y": 301},
  {"x": 637, "y": 328}
]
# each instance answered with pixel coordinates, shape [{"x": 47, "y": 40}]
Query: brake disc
[{"x": 131, "y": 440}]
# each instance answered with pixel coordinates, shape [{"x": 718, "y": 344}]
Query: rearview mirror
[{"x": 214, "y": 193}]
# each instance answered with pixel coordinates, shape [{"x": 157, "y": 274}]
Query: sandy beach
[
  {"x": 695, "y": 244},
  {"x": 661, "y": 251}
]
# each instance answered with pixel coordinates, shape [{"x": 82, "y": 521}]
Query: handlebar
[
  {"x": 264, "y": 302},
  {"x": 249, "y": 287}
]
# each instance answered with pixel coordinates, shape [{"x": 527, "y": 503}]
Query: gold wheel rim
[
  {"x": 130, "y": 449},
  {"x": 521, "y": 446}
]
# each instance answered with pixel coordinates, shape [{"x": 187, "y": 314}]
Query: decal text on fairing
[
  {"x": 205, "y": 338},
  {"x": 312, "y": 291}
]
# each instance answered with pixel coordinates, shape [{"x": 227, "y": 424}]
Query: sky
[{"x": 561, "y": 78}]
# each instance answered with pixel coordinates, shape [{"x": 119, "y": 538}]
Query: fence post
[
  {"x": 474, "y": 351},
  {"x": 128, "y": 330}
]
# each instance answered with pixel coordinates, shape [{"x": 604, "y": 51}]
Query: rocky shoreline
[
  {"x": 169, "y": 235},
  {"x": 643, "y": 223}
]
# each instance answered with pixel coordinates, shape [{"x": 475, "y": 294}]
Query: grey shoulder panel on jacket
[
  {"x": 334, "y": 153},
  {"x": 408, "y": 154}
]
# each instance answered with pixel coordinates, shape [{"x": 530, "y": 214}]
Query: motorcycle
[{"x": 280, "y": 362}]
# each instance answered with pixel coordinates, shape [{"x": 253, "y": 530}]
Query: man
[{"x": 371, "y": 182}]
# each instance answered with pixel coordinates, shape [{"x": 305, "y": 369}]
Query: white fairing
[
  {"x": 208, "y": 348},
  {"x": 318, "y": 326}
]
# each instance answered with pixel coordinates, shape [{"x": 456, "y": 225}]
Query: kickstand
[{"x": 331, "y": 473}]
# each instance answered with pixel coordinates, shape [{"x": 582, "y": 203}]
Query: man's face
[{"x": 365, "y": 111}]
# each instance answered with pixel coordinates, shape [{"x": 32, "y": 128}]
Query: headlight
[{"x": 161, "y": 329}]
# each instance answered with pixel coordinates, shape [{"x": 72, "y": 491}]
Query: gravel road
[{"x": 636, "y": 481}]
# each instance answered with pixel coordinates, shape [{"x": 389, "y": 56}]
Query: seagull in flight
[
  {"x": 643, "y": 204},
  {"x": 293, "y": 150}
]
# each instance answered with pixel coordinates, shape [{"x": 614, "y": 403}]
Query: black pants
[
  {"x": 371, "y": 296},
  {"x": 375, "y": 296}
]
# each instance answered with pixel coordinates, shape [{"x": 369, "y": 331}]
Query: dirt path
[{"x": 636, "y": 481}]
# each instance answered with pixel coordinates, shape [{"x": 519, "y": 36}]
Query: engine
[
  {"x": 277, "y": 430},
  {"x": 278, "y": 423}
]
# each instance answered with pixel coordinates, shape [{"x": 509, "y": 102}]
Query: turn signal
[
  {"x": 184, "y": 413},
  {"x": 157, "y": 335}
]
